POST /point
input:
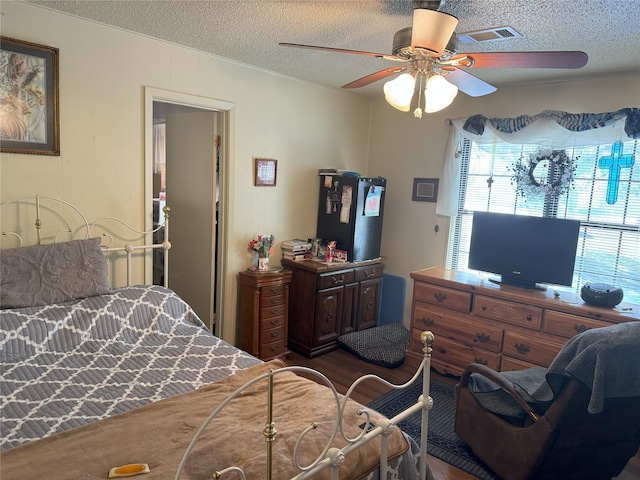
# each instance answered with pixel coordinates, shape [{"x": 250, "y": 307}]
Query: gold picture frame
[
  {"x": 265, "y": 172},
  {"x": 30, "y": 118}
]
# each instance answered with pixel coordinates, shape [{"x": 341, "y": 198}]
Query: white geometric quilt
[{"x": 69, "y": 364}]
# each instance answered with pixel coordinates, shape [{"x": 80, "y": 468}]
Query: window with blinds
[{"x": 609, "y": 243}]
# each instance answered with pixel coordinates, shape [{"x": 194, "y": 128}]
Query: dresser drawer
[
  {"x": 335, "y": 279},
  {"x": 530, "y": 349},
  {"x": 449, "y": 351},
  {"x": 365, "y": 273},
  {"x": 267, "y": 323},
  {"x": 446, "y": 323},
  {"x": 441, "y": 296},
  {"x": 270, "y": 302},
  {"x": 509, "y": 364},
  {"x": 568, "y": 325},
  {"x": 515, "y": 313}
]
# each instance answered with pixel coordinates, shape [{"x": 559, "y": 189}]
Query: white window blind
[{"x": 609, "y": 242}]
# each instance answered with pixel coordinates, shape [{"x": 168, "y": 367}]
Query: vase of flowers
[{"x": 263, "y": 246}]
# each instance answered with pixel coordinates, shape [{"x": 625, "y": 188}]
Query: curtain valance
[{"x": 550, "y": 129}]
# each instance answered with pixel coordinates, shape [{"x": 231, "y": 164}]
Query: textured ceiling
[{"x": 249, "y": 31}]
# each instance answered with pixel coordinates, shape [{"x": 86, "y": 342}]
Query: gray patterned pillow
[{"x": 55, "y": 273}]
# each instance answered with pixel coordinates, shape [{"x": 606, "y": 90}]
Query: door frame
[{"x": 227, "y": 109}]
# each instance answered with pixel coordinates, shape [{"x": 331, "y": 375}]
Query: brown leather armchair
[{"x": 581, "y": 421}]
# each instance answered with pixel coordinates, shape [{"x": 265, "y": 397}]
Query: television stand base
[{"x": 512, "y": 283}]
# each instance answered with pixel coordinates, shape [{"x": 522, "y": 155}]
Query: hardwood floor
[{"x": 343, "y": 369}]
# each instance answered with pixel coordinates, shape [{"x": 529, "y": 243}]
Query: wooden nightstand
[{"x": 263, "y": 312}]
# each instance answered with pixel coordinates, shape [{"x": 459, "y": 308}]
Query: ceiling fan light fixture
[
  {"x": 438, "y": 94},
  {"x": 432, "y": 30},
  {"x": 399, "y": 91}
]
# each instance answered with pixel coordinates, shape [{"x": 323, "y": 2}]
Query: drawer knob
[
  {"x": 440, "y": 297},
  {"x": 370, "y": 273},
  {"x": 369, "y": 306},
  {"x": 275, "y": 310},
  {"x": 276, "y": 301},
  {"x": 274, "y": 334},
  {"x": 580, "y": 328},
  {"x": 428, "y": 321},
  {"x": 275, "y": 290},
  {"x": 275, "y": 321},
  {"x": 480, "y": 360},
  {"x": 483, "y": 337},
  {"x": 529, "y": 318},
  {"x": 522, "y": 348},
  {"x": 338, "y": 281},
  {"x": 484, "y": 307}
]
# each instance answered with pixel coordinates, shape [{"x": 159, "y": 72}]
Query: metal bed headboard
[{"x": 84, "y": 229}]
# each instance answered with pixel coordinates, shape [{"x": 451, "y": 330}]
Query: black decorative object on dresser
[
  {"x": 263, "y": 305},
  {"x": 330, "y": 300}
]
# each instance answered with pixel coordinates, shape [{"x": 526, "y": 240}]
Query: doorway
[{"x": 189, "y": 133}]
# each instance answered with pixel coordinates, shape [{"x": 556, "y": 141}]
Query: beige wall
[
  {"x": 103, "y": 72},
  {"x": 403, "y": 147}
]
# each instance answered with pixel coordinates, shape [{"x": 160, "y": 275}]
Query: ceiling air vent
[{"x": 488, "y": 35}]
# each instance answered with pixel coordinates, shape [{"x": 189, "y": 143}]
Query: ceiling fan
[{"x": 427, "y": 52}]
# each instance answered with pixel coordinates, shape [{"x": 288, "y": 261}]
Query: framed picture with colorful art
[
  {"x": 265, "y": 172},
  {"x": 29, "y": 116}
]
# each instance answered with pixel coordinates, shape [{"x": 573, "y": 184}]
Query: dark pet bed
[{"x": 384, "y": 345}]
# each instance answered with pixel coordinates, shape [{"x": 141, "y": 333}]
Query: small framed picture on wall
[
  {"x": 425, "y": 189},
  {"x": 266, "y": 170}
]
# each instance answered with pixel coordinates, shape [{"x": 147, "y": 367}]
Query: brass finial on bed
[{"x": 427, "y": 338}]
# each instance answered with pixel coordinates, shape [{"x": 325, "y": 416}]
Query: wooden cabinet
[
  {"x": 330, "y": 300},
  {"x": 263, "y": 308},
  {"x": 503, "y": 327}
]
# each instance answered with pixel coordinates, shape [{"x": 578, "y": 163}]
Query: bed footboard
[{"x": 341, "y": 442}]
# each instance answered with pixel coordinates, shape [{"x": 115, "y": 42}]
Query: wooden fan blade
[
  {"x": 374, "y": 77},
  {"x": 566, "y": 59},
  {"x": 469, "y": 84},
  {"x": 342, "y": 50}
]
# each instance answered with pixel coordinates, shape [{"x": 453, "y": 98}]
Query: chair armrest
[{"x": 498, "y": 380}]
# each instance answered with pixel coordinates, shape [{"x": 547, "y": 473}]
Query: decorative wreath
[{"x": 529, "y": 187}]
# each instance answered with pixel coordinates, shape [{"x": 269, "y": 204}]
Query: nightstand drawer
[
  {"x": 272, "y": 290},
  {"x": 441, "y": 296},
  {"x": 270, "y": 302},
  {"x": 516, "y": 313},
  {"x": 272, "y": 335},
  {"x": 335, "y": 279},
  {"x": 273, "y": 311},
  {"x": 445, "y": 323},
  {"x": 271, "y": 322},
  {"x": 568, "y": 325},
  {"x": 530, "y": 349},
  {"x": 273, "y": 349}
]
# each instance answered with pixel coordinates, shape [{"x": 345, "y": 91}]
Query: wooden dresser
[
  {"x": 330, "y": 300},
  {"x": 263, "y": 307},
  {"x": 505, "y": 328}
]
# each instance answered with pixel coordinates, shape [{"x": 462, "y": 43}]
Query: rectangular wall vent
[{"x": 488, "y": 35}]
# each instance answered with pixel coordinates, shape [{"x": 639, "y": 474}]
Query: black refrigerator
[{"x": 350, "y": 212}]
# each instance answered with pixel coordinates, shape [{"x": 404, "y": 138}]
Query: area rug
[{"x": 442, "y": 442}]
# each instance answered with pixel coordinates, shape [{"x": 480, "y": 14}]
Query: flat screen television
[{"x": 525, "y": 251}]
